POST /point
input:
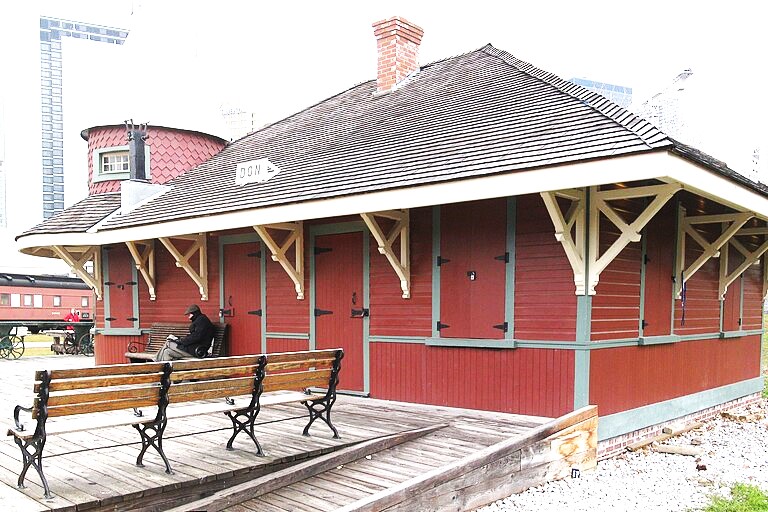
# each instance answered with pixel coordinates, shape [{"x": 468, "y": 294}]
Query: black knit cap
[{"x": 194, "y": 308}]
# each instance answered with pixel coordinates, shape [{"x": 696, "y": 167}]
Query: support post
[
  {"x": 199, "y": 246},
  {"x": 295, "y": 237},
  {"x": 401, "y": 229},
  {"x": 144, "y": 260}
]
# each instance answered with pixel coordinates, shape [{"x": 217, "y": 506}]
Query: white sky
[{"x": 275, "y": 58}]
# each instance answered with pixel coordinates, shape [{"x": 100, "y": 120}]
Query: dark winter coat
[{"x": 201, "y": 333}]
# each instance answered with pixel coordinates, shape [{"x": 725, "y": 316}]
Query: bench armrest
[
  {"x": 136, "y": 346},
  {"x": 16, "y": 410}
]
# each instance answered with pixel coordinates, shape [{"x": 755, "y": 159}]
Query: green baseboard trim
[
  {"x": 397, "y": 339},
  {"x": 620, "y": 423},
  {"x": 739, "y": 334},
  {"x": 287, "y": 335},
  {"x": 474, "y": 343},
  {"x": 121, "y": 331},
  {"x": 658, "y": 340}
]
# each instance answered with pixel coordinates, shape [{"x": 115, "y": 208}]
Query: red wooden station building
[{"x": 474, "y": 232}]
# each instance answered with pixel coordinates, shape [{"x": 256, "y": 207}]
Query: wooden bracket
[
  {"x": 77, "y": 257},
  {"x": 731, "y": 224},
  {"x": 295, "y": 237},
  {"x": 199, "y": 245},
  {"x": 401, "y": 228},
  {"x": 145, "y": 262},
  {"x": 750, "y": 257},
  {"x": 585, "y": 260}
]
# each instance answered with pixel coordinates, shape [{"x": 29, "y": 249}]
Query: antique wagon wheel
[{"x": 11, "y": 346}]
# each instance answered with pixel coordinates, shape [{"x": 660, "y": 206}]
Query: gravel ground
[{"x": 732, "y": 451}]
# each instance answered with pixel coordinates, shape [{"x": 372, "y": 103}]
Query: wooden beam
[
  {"x": 401, "y": 229},
  {"x": 77, "y": 263},
  {"x": 296, "y": 238},
  {"x": 145, "y": 262},
  {"x": 199, "y": 246},
  {"x": 731, "y": 224},
  {"x": 749, "y": 259},
  {"x": 564, "y": 225}
]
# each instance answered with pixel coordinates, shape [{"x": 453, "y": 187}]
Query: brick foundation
[{"x": 611, "y": 447}]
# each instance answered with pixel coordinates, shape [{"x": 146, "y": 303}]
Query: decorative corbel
[
  {"x": 585, "y": 260},
  {"x": 77, "y": 257},
  {"x": 750, "y": 257},
  {"x": 144, "y": 260},
  {"x": 731, "y": 224},
  {"x": 295, "y": 237},
  {"x": 400, "y": 229},
  {"x": 199, "y": 246}
]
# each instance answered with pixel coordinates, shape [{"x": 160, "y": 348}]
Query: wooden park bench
[
  {"x": 107, "y": 396},
  {"x": 142, "y": 352}
]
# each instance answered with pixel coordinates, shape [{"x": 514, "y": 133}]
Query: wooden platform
[{"x": 415, "y": 458}]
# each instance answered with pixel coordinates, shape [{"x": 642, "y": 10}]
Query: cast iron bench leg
[
  {"x": 34, "y": 459},
  {"x": 155, "y": 439},
  {"x": 320, "y": 409},
  {"x": 243, "y": 421}
]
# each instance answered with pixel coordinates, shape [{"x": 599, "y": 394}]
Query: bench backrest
[
  {"x": 220, "y": 377},
  {"x": 300, "y": 371},
  {"x": 159, "y": 332},
  {"x": 102, "y": 388}
]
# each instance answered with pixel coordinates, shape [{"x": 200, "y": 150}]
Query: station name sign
[{"x": 255, "y": 171}]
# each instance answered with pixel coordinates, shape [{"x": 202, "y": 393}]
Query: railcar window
[
  {"x": 84, "y": 302},
  {"x": 57, "y": 301},
  {"x": 15, "y": 300},
  {"x": 27, "y": 300},
  {"x": 38, "y": 301},
  {"x": 5, "y": 299}
]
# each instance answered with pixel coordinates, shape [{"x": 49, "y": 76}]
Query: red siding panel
[
  {"x": 545, "y": 300},
  {"x": 112, "y": 349},
  {"x": 523, "y": 381},
  {"x": 391, "y": 314},
  {"x": 286, "y": 313},
  {"x": 752, "y": 316},
  {"x": 472, "y": 236},
  {"x": 630, "y": 377},
  {"x": 660, "y": 251},
  {"x": 286, "y": 345}
]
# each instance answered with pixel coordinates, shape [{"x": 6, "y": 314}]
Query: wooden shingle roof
[
  {"x": 477, "y": 114},
  {"x": 79, "y": 217}
]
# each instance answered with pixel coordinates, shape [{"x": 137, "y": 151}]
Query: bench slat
[
  {"x": 297, "y": 380},
  {"x": 298, "y": 365},
  {"x": 98, "y": 371},
  {"x": 283, "y": 357},
  {"x": 214, "y": 362},
  {"x": 223, "y": 392},
  {"x": 189, "y": 387},
  {"x": 100, "y": 382},
  {"x": 236, "y": 371},
  {"x": 102, "y": 396},
  {"x": 112, "y": 405}
]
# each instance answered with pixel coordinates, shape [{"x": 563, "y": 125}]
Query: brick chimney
[{"x": 397, "y": 41}]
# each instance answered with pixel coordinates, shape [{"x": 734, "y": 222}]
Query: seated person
[{"x": 198, "y": 341}]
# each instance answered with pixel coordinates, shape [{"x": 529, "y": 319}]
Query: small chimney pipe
[{"x": 137, "y": 134}]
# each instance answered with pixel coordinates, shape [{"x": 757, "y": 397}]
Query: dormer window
[
  {"x": 110, "y": 164},
  {"x": 116, "y": 162}
]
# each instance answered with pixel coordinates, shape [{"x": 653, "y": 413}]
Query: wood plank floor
[{"x": 96, "y": 470}]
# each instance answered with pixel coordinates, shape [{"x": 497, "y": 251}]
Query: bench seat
[{"x": 159, "y": 332}]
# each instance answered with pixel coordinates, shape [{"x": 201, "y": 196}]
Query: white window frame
[
  {"x": 57, "y": 301},
  {"x": 37, "y": 300},
  {"x": 27, "y": 300},
  {"x": 85, "y": 301},
  {"x": 98, "y": 157}
]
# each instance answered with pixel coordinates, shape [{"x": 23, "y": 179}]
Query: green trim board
[
  {"x": 435, "y": 270},
  {"x": 509, "y": 285},
  {"x": 581, "y": 361},
  {"x": 397, "y": 339},
  {"x": 658, "y": 340},
  {"x": 287, "y": 335},
  {"x": 121, "y": 331},
  {"x": 739, "y": 334},
  {"x": 467, "y": 342},
  {"x": 620, "y": 423}
]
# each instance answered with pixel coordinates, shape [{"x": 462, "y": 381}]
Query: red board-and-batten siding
[{"x": 172, "y": 152}]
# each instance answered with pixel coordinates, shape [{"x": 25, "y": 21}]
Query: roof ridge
[{"x": 652, "y": 136}]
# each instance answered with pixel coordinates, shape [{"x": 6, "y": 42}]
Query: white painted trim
[{"x": 658, "y": 164}]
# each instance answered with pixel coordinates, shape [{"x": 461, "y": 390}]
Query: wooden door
[
  {"x": 658, "y": 262},
  {"x": 120, "y": 286},
  {"x": 242, "y": 297},
  {"x": 339, "y": 291}
]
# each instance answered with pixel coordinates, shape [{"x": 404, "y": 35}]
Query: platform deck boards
[{"x": 104, "y": 478}]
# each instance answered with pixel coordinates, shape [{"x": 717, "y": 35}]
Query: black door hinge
[
  {"x": 256, "y": 312},
  {"x": 321, "y": 250},
  {"x": 503, "y": 257},
  {"x": 110, "y": 319},
  {"x": 321, "y": 312},
  {"x": 646, "y": 259},
  {"x": 441, "y": 326},
  {"x": 132, "y": 319},
  {"x": 503, "y": 326},
  {"x": 359, "y": 313},
  {"x": 108, "y": 283},
  {"x": 131, "y": 283},
  {"x": 227, "y": 312},
  {"x": 256, "y": 254},
  {"x": 643, "y": 323},
  {"x": 739, "y": 322},
  {"x": 441, "y": 260}
]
